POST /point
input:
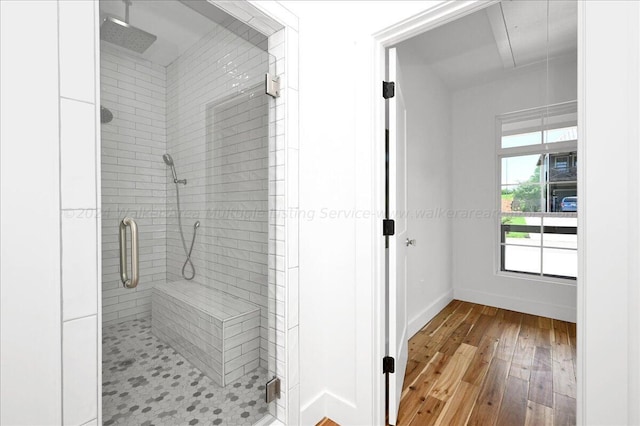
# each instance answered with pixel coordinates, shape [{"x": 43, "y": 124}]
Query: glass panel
[
  {"x": 560, "y": 240},
  {"x": 563, "y": 197},
  {"x": 521, "y": 259},
  {"x": 560, "y": 232},
  {"x": 559, "y": 262},
  {"x": 191, "y": 164},
  {"x": 561, "y": 221},
  {"x": 522, "y": 139},
  {"x": 523, "y": 198},
  {"x": 521, "y": 169},
  {"x": 522, "y": 237},
  {"x": 563, "y": 167},
  {"x": 561, "y": 135}
]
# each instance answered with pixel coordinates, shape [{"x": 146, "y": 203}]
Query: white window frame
[{"x": 537, "y": 149}]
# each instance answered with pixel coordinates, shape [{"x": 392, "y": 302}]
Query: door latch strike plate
[
  {"x": 272, "y": 390},
  {"x": 272, "y": 85}
]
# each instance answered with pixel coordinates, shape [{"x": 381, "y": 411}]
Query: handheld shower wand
[{"x": 169, "y": 162}]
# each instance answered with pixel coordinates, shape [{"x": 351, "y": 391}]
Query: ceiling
[
  {"x": 177, "y": 24},
  {"x": 506, "y": 36}
]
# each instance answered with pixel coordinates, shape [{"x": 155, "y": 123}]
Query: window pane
[
  {"x": 563, "y": 197},
  {"x": 561, "y": 221},
  {"x": 514, "y": 233},
  {"x": 559, "y": 240},
  {"x": 560, "y": 232},
  {"x": 522, "y": 139},
  {"x": 522, "y": 169},
  {"x": 523, "y": 198},
  {"x": 560, "y": 262},
  {"x": 563, "y": 167},
  {"x": 521, "y": 259},
  {"x": 562, "y": 134}
]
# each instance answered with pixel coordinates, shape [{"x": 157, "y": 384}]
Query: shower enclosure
[{"x": 187, "y": 148}]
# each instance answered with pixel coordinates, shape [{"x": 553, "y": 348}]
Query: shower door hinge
[
  {"x": 388, "y": 365},
  {"x": 388, "y": 227},
  {"x": 272, "y": 85},
  {"x": 272, "y": 390},
  {"x": 388, "y": 89}
]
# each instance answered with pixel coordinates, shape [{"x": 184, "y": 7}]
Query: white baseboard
[
  {"x": 326, "y": 404},
  {"x": 559, "y": 312},
  {"x": 416, "y": 323}
]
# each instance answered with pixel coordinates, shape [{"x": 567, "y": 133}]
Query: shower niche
[{"x": 187, "y": 148}]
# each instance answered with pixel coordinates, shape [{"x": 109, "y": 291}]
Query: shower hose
[{"x": 184, "y": 244}]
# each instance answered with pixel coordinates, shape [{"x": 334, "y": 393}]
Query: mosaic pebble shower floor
[{"x": 146, "y": 382}]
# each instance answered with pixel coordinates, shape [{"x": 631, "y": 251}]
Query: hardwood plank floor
[
  {"x": 327, "y": 422},
  {"x": 481, "y": 365}
]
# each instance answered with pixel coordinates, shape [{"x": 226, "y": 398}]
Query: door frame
[{"x": 427, "y": 20}]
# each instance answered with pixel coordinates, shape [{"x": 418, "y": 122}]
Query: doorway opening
[
  {"x": 483, "y": 190},
  {"x": 188, "y": 242}
]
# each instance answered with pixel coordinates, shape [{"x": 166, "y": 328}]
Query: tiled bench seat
[{"x": 216, "y": 332}]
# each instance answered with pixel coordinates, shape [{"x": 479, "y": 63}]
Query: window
[
  {"x": 562, "y": 162},
  {"x": 537, "y": 160}
]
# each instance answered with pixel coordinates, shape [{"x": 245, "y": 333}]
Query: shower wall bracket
[
  {"x": 272, "y": 390},
  {"x": 272, "y": 85}
]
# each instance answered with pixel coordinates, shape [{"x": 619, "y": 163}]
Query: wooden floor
[
  {"x": 327, "y": 422},
  {"x": 479, "y": 365}
]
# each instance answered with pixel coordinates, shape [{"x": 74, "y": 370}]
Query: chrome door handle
[
  {"x": 410, "y": 242},
  {"x": 129, "y": 282}
]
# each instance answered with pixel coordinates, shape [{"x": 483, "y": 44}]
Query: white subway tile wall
[
  {"x": 79, "y": 376},
  {"x": 79, "y": 215},
  {"x": 214, "y": 331},
  {"x": 134, "y": 177},
  {"x": 217, "y": 134}
]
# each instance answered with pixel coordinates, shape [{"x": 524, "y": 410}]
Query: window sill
[{"x": 537, "y": 278}]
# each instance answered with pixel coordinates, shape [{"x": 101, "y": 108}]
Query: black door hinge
[
  {"x": 388, "y": 365},
  {"x": 388, "y": 227},
  {"x": 388, "y": 89}
]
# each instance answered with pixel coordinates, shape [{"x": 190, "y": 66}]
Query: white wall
[
  {"x": 428, "y": 103},
  {"x": 475, "y": 236},
  {"x": 608, "y": 322},
  {"x": 337, "y": 366},
  {"x": 49, "y": 351},
  {"x": 134, "y": 177}
]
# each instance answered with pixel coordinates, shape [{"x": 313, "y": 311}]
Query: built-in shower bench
[{"x": 215, "y": 331}]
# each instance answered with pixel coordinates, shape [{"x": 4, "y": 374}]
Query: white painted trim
[
  {"x": 314, "y": 410},
  {"x": 327, "y": 402},
  {"x": 98, "y": 161},
  {"x": 634, "y": 247},
  {"x": 419, "y": 321},
  {"x": 559, "y": 312},
  {"x": 581, "y": 315}
]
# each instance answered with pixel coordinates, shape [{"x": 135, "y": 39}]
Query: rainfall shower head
[
  {"x": 105, "y": 115},
  {"x": 125, "y": 35}
]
